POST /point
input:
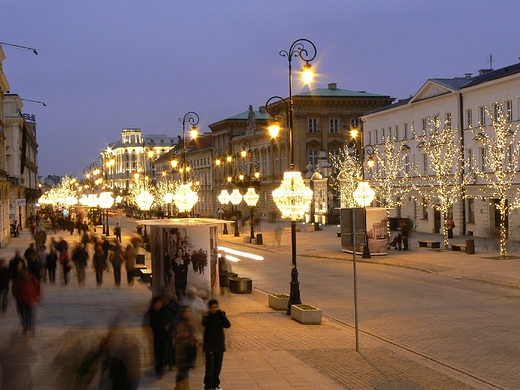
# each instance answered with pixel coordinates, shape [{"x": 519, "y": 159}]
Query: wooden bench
[
  {"x": 146, "y": 275},
  {"x": 433, "y": 244},
  {"x": 458, "y": 247}
]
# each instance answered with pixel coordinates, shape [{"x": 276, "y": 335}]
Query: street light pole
[{"x": 293, "y": 197}]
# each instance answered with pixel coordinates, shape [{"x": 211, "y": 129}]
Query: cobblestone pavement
[{"x": 266, "y": 349}]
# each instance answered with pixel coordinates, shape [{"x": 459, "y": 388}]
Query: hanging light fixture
[
  {"x": 185, "y": 198},
  {"x": 144, "y": 200},
  {"x": 293, "y": 197},
  {"x": 251, "y": 197},
  {"x": 364, "y": 195}
]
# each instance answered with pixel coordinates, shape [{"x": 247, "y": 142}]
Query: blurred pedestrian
[
  {"x": 450, "y": 225},
  {"x": 66, "y": 266},
  {"x": 51, "y": 262},
  {"x": 117, "y": 232},
  {"x": 99, "y": 263},
  {"x": 405, "y": 232},
  {"x": 26, "y": 289},
  {"x": 130, "y": 256},
  {"x": 185, "y": 348},
  {"x": 171, "y": 310},
  {"x": 214, "y": 343},
  {"x": 158, "y": 322},
  {"x": 4, "y": 285},
  {"x": 42, "y": 261},
  {"x": 116, "y": 258},
  {"x": 198, "y": 310},
  {"x": 80, "y": 260}
]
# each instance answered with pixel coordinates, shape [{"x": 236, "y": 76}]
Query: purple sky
[{"x": 103, "y": 65}]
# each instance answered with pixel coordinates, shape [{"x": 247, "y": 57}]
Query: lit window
[
  {"x": 313, "y": 126},
  {"x": 334, "y": 126}
]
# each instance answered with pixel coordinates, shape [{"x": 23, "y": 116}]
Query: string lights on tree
[
  {"x": 347, "y": 172},
  {"x": 441, "y": 183},
  {"x": 499, "y": 161}
]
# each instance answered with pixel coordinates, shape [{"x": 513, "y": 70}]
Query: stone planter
[
  {"x": 278, "y": 301},
  {"x": 239, "y": 285},
  {"x": 306, "y": 314},
  {"x": 224, "y": 278}
]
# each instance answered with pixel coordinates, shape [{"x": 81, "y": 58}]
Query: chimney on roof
[
  {"x": 333, "y": 86},
  {"x": 484, "y": 71},
  {"x": 468, "y": 75}
]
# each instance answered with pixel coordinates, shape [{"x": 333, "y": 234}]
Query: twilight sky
[{"x": 103, "y": 65}]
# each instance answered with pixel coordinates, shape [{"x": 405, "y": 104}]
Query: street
[{"x": 462, "y": 324}]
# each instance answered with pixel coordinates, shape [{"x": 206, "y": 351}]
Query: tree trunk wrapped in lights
[
  {"x": 445, "y": 186},
  {"x": 501, "y": 148}
]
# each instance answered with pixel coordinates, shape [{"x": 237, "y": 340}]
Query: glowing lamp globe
[
  {"x": 236, "y": 197},
  {"x": 251, "y": 197},
  {"x": 144, "y": 200},
  {"x": 364, "y": 195},
  {"x": 106, "y": 200},
  {"x": 223, "y": 197},
  {"x": 185, "y": 198},
  {"x": 293, "y": 197},
  {"x": 168, "y": 197}
]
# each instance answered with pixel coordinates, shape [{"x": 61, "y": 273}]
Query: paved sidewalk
[{"x": 266, "y": 349}]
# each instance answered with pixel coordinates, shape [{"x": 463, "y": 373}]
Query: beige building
[
  {"x": 21, "y": 153},
  {"x": 461, "y": 102}
]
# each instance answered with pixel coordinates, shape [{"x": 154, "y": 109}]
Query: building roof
[
  {"x": 338, "y": 92},
  {"x": 244, "y": 115}
]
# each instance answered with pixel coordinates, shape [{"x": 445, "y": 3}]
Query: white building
[{"x": 461, "y": 103}]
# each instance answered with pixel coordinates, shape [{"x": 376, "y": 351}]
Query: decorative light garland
[{"x": 293, "y": 197}]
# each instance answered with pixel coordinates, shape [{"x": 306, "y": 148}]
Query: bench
[
  {"x": 458, "y": 247},
  {"x": 433, "y": 244},
  {"x": 146, "y": 275}
]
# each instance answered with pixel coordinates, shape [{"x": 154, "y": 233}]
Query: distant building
[{"x": 4, "y": 183}]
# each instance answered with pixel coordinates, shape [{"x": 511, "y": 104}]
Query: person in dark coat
[
  {"x": 99, "y": 262},
  {"x": 51, "y": 264},
  {"x": 80, "y": 259},
  {"x": 185, "y": 347},
  {"x": 214, "y": 343},
  {"x": 4, "y": 285},
  {"x": 158, "y": 322},
  {"x": 117, "y": 259},
  {"x": 180, "y": 273}
]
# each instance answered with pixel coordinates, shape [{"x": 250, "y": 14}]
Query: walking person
[
  {"x": 185, "y": 348},
  {"x": 130, "y": 256},
  {"x": 66, "y": 266},
  {"x": 80, "y": 260},
  {"x": 42, "y": 260},
  {"x": 99, "y": 262},
  {"x": 158, "y": 322},
  {"x": 117, "y": 232},
  {"x": 26, "y": 289},
  {"x": 450, "y": 225},
  {"x": 405, "y": 232},
  {"x": 214, "y": 346},
  {"x": 116, "y": 258},
  {"x": 51, "y": 262},
  {"x": 4, "y": 285}
]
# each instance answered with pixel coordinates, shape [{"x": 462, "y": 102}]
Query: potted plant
[
  {"x": 224, "y": 278},
  {"x": 239, "y": 285},
  {"x": 278, "y": 301},
  {"x": 306, "y": 314}
]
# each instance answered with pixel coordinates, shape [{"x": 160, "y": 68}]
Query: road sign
[{"x": 220, "y": 210}]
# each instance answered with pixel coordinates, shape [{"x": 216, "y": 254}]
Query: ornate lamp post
[
  {"x": 235, "y": 198},
  {"x": 185, "y": 197},
  {"x": 251, "y": 199},
  {"x": 293, "y": 198},
  {"x": 106, "y": 200}
]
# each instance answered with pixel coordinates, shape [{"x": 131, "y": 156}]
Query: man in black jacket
[{"x": 214, "y": 344}]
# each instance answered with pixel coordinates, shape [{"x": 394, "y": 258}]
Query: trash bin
[
  {"x": 316, "y": 226},
  {"x": 470, "y": 247},
  {"x": 259, "y": 240},
  {"x": 140, "y": 259}
]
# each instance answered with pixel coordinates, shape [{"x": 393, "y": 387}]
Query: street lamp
[
  {"x": 106, "y": 200},
  {"x": 235, "y": 198},
  {"x": 184, "y": 196},
  {"x": 251, "y": 199},
  {"x": 293, "y": 197}
]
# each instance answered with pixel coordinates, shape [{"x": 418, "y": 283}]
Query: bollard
[
  {"x": 470, "y": 247},
  {"x": 259, "y": 239}
]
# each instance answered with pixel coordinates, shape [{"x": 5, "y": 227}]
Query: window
[
  {"x": 334, "y": 153},
  {"x": 389, "y": 132},
  {"x": 369, "y": 138},
  {"x": 425, "y": 164},
  {"x": 405, "y": 130},
  {"x": 407, "y": 164},
  {"x": 483, "y": 159},
  {"x": 469, "y": 161},
  {"x": 469, "y": 118},
  {"x": 313, "y": 157},
  {"x": 334, "y": 126},
  {"x": 382, "y": 135},
  {"x": 482, "y": 115},
  {"x": 425, "y": 209},
  {"x": 313, "y": 126},
  {"x": 396, "y": 132},
  {"x": 495, "y": 111},
  {"x": 375, "y": 136},
  {"x": 471, "y": 210},
  {"x": 509, "y": 110},
  {"x": 447, "y": 120},
  {"x": 424, "y": 122}
]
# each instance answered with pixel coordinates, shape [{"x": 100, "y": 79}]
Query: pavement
[{"x": 266, "y": 349}]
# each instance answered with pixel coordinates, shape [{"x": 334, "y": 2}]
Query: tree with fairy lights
[
  {"x": 346, "y": 174},
  {"x": 501, "y": 147},
  {"x": 389, "y": 177},
  {"x": 445, "y": 186}
]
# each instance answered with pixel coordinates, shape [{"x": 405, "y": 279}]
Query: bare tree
[
  {"x": 499, "y": 162},
  {"x": 441, "y": 182}
]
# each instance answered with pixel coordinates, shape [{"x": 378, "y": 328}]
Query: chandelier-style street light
[
  {"x": 251, "y": 199},
  {"x": 106, "y": 201},
  {"x": 293, "y": 197},
  {"x": 185, "y": 197}
]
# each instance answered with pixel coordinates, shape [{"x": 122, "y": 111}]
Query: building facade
[
  {"x": 4, "y": 183},
  {"x": 463, "y": 104}
]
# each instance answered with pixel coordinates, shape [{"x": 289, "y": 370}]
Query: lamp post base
[
  {"x": 225, "y": 231},
  {"x": 294, "y": 296}
]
